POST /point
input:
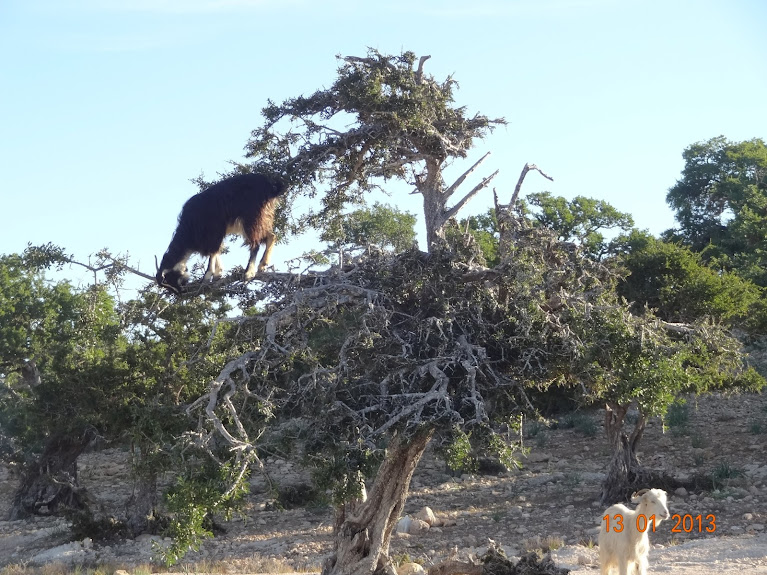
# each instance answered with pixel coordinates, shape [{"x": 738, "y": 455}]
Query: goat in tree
[{"x": 242, "y": 205}]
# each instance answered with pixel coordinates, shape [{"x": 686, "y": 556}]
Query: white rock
[
  {"x": 67, "y": 553},
  {"x": 403, "y": 525},
  {"x": 426, "y": 514},
  {"x": 410, "y": 569},
  {"x": 418, "y": 526}
]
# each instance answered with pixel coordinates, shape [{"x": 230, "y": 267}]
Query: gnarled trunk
[
  {"x": 624, "y": 473},
  {"x": 364, "y": 529},
  {"x": 433, "y": 204},
  {"x": 50, "y": 483}
]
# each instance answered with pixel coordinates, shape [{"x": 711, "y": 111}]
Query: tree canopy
[
  {"x": 383, "y": 118},
  {"x": 721, "y": 204}
]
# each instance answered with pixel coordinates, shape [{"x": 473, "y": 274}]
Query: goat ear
[{"x": 637, "y": 494}]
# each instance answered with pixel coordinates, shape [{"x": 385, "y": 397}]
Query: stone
[
  {"x": 426, "y": 514},
  {"x": 403, "y": 525},
  {"x": 68, "y": 553},
  {"x": 418, "y": 526},
  {"x": 537, "y": 457},
  {"x": 410, "y": 569},
  {"x": 681, "y": 492}
]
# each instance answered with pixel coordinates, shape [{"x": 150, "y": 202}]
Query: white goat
[{"x": 623, "y": 540}]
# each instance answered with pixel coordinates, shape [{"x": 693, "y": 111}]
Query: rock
[
  {"x": 681, "y": 492},
  {"x": 410, "y": 569},
  {"x": 403, "y": 525},
  {"x": 748, "y": 516},
  {"x": 68, "y": 553},
  {"x": 536, "y": 457},
  {"x": 418, "y": 526},
  {"x": 427, "y": 515}
]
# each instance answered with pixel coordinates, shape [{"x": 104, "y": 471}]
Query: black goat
[{"x": 242, "y": 205}]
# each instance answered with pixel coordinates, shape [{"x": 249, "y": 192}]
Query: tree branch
[
  {"x": 419, "y": 72},
  {"x": 518, "y": 187},
  {"x": 115, "y": 264},
  {"x": 449, "y": 192},
  {"x": 462, "y": 202}
]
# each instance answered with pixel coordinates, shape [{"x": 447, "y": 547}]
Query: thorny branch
[{"x": 384, "y": 348}]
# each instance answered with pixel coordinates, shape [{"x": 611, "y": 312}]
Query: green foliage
[
  {"x": 484, "y": 231},
  {"x": 581, "y": 422},
  {"x": 72, "y": 338},
  {"x": 381, "y": 118},
  {"x": 721, "y": 204},
  {"x": 299, "y": 495},
  {"x": 380, "y": 225},
  {"x": 121, "y": 372},
  {"x": 458, "y": 453},
  {"x": 722, "y": 473},
  {"x": 673, "y": 281},
  {"x": 580, "y": 220},
  {"x": 193, "y": 499},
  {"x": 678, "y": 415},
  {"x": 535, "y": 428},
  {"x": 634, "y": 362}
]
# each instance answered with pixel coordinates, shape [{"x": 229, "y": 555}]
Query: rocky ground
[{"x": 550, "y": 503}]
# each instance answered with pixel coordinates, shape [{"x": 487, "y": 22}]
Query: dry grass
[
  {"x": 542, "y": 544},
  {"x": 250, "y": 565}
]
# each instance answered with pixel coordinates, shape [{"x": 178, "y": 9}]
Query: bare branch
[
  {"x": 449, "y": 191},
  {"x": 115, "y": 264},
  {"x": 419, "y": 72},
  {"x": 518, "y": 187},
  {"x": 462, "y": 202}
]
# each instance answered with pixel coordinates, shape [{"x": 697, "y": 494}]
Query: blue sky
[{"x": 109, "y": 107}]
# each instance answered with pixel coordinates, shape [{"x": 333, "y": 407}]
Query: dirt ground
[{"x": 550, "y": 503}]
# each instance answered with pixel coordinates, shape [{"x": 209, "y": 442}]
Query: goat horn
[{"x": 156, "y": 265}]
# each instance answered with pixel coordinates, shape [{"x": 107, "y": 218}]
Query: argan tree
[
  {"x": 78, "y": 367},
  {"x": 383, "y": 118},
  {"x": 644, "y": 362},
  {"x": 364, "y": 368}
]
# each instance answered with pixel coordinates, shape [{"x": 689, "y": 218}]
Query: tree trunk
[
  {"x": 363, "y": 531},
  {"x": 50, "y": 483},
  {"x": 139, "y": 510},
  {"x": 625, "y": 473},
  {"x": 433, "y": 204}
]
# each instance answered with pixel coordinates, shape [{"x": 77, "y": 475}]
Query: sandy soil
[{"x": 553, "y": 496}]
